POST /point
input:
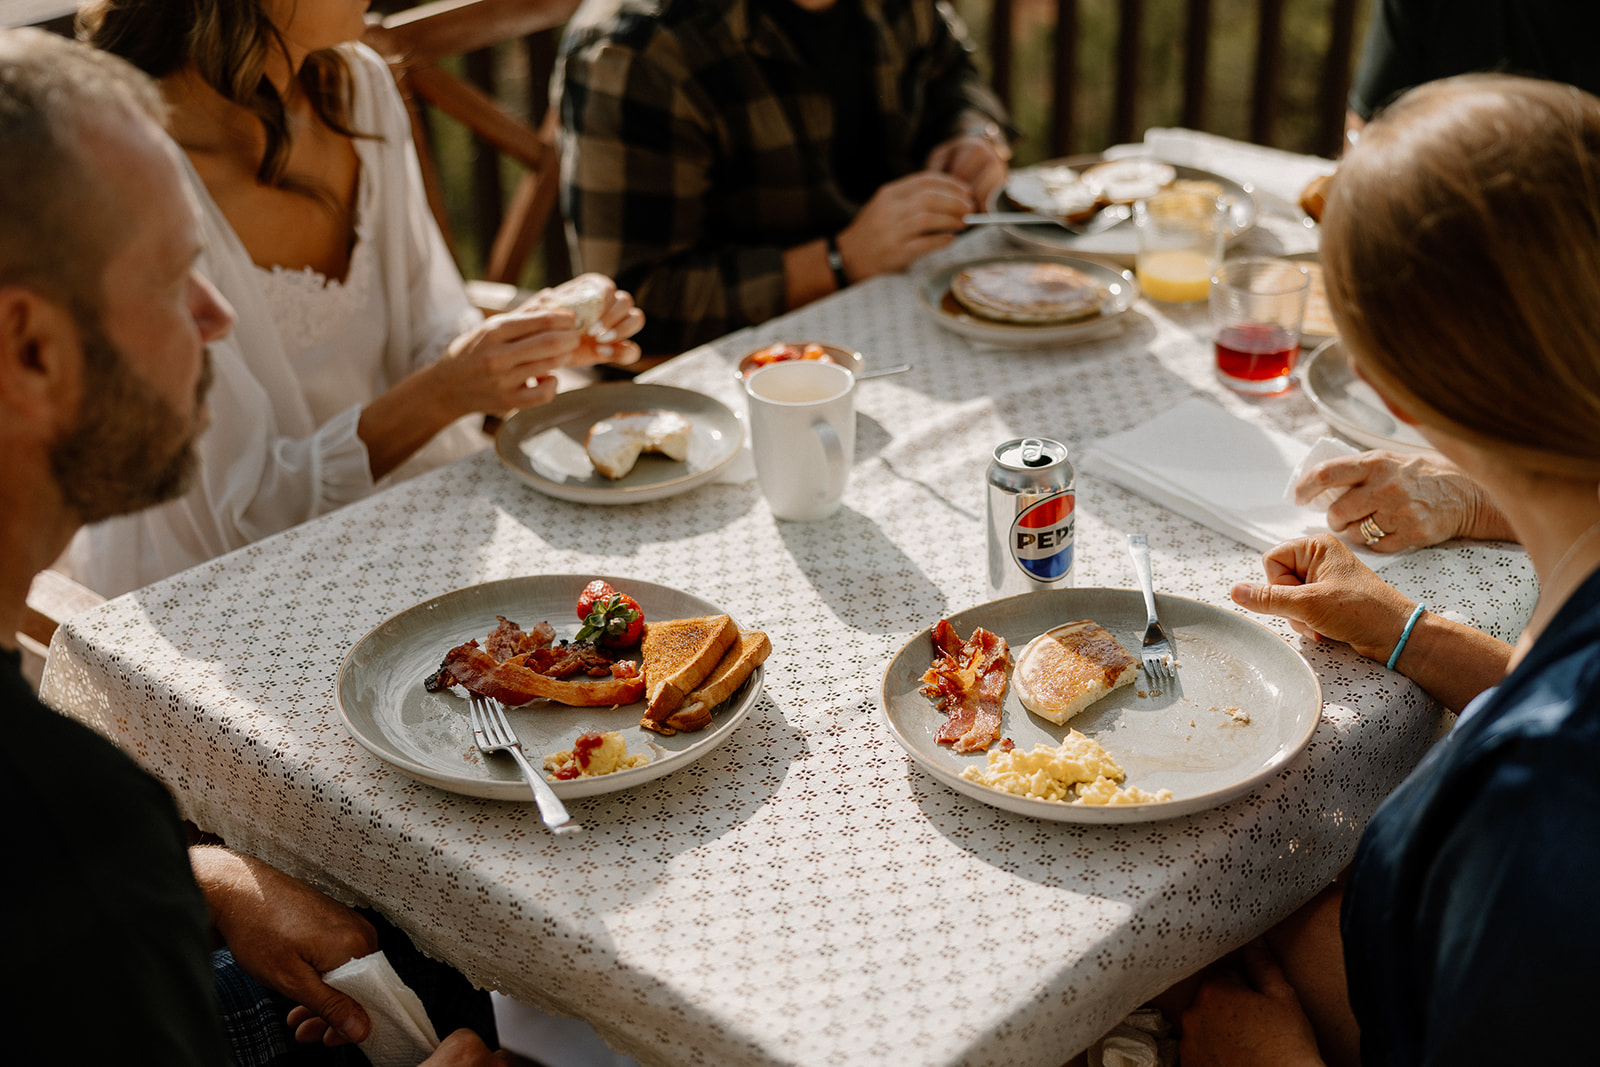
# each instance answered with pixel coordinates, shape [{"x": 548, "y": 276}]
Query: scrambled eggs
[
  {"x": 1078, "y": 771},
  {"x": 591, "y": 756}
]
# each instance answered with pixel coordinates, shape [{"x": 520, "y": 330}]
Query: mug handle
[{"x": 833, "y": 455}]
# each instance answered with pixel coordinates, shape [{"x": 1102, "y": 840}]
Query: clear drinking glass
[
  {"x": 1257, "y": 305},
  {"x": 1180, "y": 244}
]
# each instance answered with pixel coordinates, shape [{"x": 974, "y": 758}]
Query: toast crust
[
  {"x": 737, "y": 664},
  {"x": 678, "y": 655}
]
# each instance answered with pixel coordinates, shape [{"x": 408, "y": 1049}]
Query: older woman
[
  {"x": 1462, "y": 248},
  {"x": 356, "y": 348}
]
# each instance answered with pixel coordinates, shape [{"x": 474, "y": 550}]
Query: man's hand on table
[
  {"x": 1415, "y": 500},
  {"x": 285, "y": 935},
  {"x": 1247, "y": 1016}
]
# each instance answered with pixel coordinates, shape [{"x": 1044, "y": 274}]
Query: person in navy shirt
[{"x": 1462, "y": 249}]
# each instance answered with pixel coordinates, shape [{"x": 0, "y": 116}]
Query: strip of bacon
[
  {"x": 967, "y": 682},
  {"x": 513, "y": 684},
  {"x": 508, "y": 639}
]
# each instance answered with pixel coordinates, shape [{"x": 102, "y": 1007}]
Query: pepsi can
[{"x": 1031, "y": 502}]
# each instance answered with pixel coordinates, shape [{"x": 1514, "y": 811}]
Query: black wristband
[{"x": 836, "y": 263}]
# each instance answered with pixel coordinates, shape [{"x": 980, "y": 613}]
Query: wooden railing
[
  {"x": 1079, "y": 75},
  {"x": 1259, "y": 70}
]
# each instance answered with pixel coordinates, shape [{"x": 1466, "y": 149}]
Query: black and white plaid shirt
[{"x": 697, "y": 146}]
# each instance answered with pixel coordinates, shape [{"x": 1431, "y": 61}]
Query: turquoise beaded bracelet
[{"x": 1405, "y": 635}]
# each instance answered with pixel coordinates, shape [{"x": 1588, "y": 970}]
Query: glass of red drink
[{"x": 1256, "y": 307}]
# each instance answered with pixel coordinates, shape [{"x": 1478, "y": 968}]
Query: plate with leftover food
[
  {"x": 1127, "y": 748},
  {"x": 1078, "y": 187},
  {"x": 1350, "y": 405},
  {"x": 1029, "y": 301},
  {"x": 400, "y": 704},
  {"x": 785, "y": 351},
  {"x": 620, "y": 443}
]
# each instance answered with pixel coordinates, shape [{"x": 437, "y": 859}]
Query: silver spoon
[{"x": 884, "y": 372}]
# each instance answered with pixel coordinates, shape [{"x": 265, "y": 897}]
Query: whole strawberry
[
  {"x": 593, "y": 592},
  {"x": 614, "y": 621}
]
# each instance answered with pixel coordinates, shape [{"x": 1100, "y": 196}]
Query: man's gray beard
[{"x": 129, "y": 449}]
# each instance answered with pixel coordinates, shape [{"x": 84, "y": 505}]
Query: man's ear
[{"x": 41, "y": 359}]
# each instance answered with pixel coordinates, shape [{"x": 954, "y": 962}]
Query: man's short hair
[{"x": 58, "y": 229}]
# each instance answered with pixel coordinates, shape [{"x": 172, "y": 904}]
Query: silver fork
[
  {"x": 493, "y": 733},
  {"x": 1160, "y": 657}
]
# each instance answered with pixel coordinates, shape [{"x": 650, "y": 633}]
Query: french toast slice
[
  {"x": 679, "y": 654},
  {"x": 746, "y": 654}
]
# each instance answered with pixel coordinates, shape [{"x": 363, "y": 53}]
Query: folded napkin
[
  {"x": 1283, "y": 174},
  {"x": 402, "y": 1035},
  {"x": 1218, "y": 470}
]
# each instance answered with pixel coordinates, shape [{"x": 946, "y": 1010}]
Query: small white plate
[
  {"x": 1350, "y": 405},
  {"x": 1181, "y": 738},
  {"x": 1120, "y": 289},
  {"x": 1121, "y": 242},
  {"x": 544, "y": 445},
  {"x": 428, "y": 736}
]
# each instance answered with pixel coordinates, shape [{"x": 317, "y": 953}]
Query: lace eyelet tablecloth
[{"x": 804, "y": 894}]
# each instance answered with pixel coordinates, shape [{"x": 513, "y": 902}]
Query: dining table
[{"x": 805, "y": 892}]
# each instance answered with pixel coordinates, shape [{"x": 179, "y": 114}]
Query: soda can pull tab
[{"x": 1033, "y": 453}]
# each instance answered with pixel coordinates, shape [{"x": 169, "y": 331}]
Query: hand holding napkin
[
  {"x": 1218, "y": 470},
  {"x": 402, "y": 1035}
]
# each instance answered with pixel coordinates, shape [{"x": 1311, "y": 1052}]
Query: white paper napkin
[
  {"x": 402, "y": 1035},
  {"x": 1218, "y": 470},
  {"x": 1283, "y": 174}
]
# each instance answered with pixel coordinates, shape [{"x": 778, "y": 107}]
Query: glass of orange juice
[{"x": 1180, "y": 244}]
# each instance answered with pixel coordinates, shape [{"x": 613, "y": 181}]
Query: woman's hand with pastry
[{"x": 603, "y": 316}]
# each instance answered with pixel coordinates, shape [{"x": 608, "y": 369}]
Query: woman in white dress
[{"x": 356, "y": 354}]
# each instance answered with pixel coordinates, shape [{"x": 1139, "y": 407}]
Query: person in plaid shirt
[{"x": 729, "y": 160}]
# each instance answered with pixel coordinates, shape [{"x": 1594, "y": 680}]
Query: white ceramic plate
[
  {"x": 1350, "y": 405},
  {"x": 1121, "y": 291},
  {"x": 428, "y": 736},
  {"x": 1120, "y": 242},
  {"x": 1224, "y": 661},
  {"x": 544, "y": 445}
]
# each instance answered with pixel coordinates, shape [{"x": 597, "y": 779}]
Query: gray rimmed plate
[
  {"x": 544, "y": 445},
  {"x": 1186, "y": 739},
  {"x": 1120, "y": 294},
  {"x": 1120, "y": 242},
  {"x": 1350, "y": 405},
  {"x": 427, "y": 735}
]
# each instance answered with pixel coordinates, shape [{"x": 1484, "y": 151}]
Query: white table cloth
[{"x": 805, "y": 894}]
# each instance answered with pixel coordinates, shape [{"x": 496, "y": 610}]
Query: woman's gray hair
[
  {"x": 1461, "y": 245},
  {"x": 56, "y": 229}
]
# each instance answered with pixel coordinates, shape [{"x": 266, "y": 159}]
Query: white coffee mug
[{"x": 803, "y": 434}]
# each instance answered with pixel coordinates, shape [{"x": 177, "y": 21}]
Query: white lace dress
[{"x": 303, "y": 359}]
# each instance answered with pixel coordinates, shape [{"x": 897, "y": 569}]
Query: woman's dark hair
[{"x": 228, "y": 43}]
